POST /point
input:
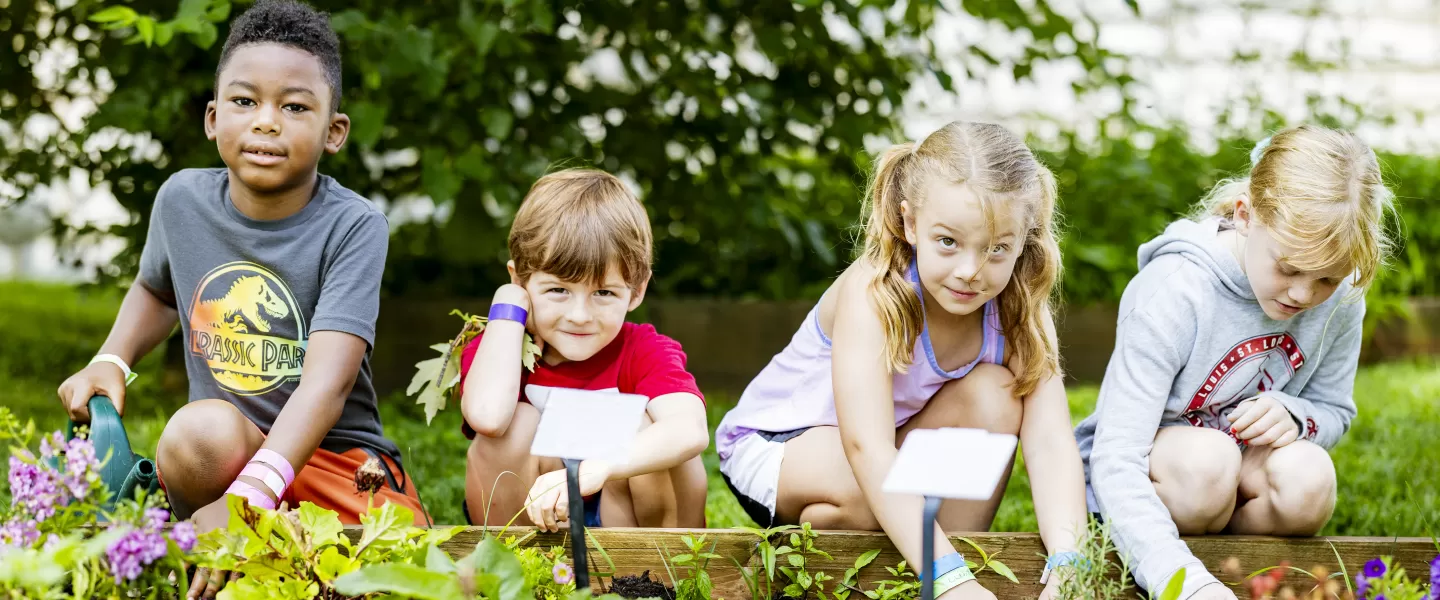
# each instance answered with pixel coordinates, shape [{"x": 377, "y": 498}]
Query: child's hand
[
  {"x": 548, "y": 503},
  {"x": 103, "y": 379},
  {"x": 209, "y": 582},
  {"x": 1264, "y": 421},
  {"x": 512, "y": 294}
]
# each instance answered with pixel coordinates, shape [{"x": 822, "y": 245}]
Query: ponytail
[{"x": 890, "y": 254}]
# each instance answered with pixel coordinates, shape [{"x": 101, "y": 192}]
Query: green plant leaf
[
  {"x": 493, "y": 558},
  {"x": 123, "y": 15},
  {"x": 323, "y": 525},
  {"x": 438, "y": 561},
  {"x": 145, "y": 28},
  {"x": 332, "y": 564},
  {"x": 402, "y": 580},
  {"x": 866, "y": 558},
  {"x": 1003, "y": 570},
  {"x": 796, "y": 560},
  {"x": 498, "y": 122}
]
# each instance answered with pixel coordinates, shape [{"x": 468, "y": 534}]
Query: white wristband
[{"x": 117, "y": 361}]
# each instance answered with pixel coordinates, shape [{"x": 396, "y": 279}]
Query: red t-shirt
[{"x": 638, "y": 361}]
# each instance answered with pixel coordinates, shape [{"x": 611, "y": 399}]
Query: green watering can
[{"x": 125, "y": 472}]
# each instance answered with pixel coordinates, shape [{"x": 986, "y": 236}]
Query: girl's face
[
  {"x": 1282, "y": 290},
  {"x": 962, "y": 263}
]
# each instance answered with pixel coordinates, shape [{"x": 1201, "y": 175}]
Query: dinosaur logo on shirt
[{"x": 245, "y": 324}]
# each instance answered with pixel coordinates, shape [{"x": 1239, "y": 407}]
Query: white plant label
[
  {"x": 951, "y": 463},
  {"x": 586, "y": 425}
]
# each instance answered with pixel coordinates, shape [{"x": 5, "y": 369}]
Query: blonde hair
[
  {"x": 1319, "y": 191},
  {"x": 999, "y": 169},
  {"x": 574, "y": 224}
]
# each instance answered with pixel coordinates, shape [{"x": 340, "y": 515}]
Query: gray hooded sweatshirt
[{"x": 1192, "y": 343}]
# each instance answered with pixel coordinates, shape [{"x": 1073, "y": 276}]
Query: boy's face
[
  {"x": 271, "y": 117},
  {"x": 576, "y": 320}
]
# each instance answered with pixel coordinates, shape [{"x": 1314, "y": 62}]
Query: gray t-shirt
[{"x": 250, "y": 292}]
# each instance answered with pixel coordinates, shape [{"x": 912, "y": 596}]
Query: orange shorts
[{"x": 328, "y": 481}]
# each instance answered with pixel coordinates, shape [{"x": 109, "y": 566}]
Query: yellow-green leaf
[{"x": 115, "y": 14}]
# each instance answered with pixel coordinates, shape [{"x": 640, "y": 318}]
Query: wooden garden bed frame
[{"x": 637, "y": 550}]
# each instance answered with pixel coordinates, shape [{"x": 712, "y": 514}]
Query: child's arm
[
  {"x": 147, "y": 316},
  {"x": 1324, "y": 413},
  {"x": 492, "y": 384},
  {"x": 865, "y": 411},
  {"x": 143, "y": 322},
  {"x": 1057, "y": 476},
  {"x": 1148, "y": 354},
  {"x": 332, "y": 361},
  {"x": 678, "y": 433}
]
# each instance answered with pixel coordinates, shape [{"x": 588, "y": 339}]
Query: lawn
[{"x": 1388, "y": 465}]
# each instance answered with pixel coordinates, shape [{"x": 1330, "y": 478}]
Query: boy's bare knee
[
  {"x": 205, "y": 437},
  {"x": 201, "y": 451},
  {"x": 1302, "y": 480},
  {"x": 1197, "y": 474}
]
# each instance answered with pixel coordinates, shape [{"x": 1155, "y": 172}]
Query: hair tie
[{"x": 1258, "y": 151}]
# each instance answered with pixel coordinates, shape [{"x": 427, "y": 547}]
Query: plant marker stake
[
  {"x": 577, "y": 524},
  {"x": 927, "y": 550}
]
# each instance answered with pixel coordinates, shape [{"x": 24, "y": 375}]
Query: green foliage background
[{"x": 752, "y": 174}]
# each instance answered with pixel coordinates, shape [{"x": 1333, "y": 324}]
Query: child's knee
[
  {"x": 1302, "y": 480},
  {"x": 1197, "y": 474},
  {"x": 205, "y": 439},
  {"x": 985, "y": 397}
]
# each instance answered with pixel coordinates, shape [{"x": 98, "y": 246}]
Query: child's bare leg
[
  {"x": 504, "y": 464},
  {"x": 674, "y": 498},
  {"x": 817, "y": 485},
  {"x": 1285, "y": 491},
  {"x": 982, "y": 399},
  {"x": 201, "y": 452},
  {"x": 1196, "y": 472},
  {"x": 691, "y": 486}
]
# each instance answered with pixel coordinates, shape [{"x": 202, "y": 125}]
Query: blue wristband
[
  {"x": 508, "y": 312},
  {"x": 948, "y": 563},
  {"x": 1057, "y": 560}
]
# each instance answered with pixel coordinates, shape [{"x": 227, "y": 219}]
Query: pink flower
[{"x": 563, "y": 574}]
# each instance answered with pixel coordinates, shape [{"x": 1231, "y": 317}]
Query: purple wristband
[{"x": 508, "y": 312}]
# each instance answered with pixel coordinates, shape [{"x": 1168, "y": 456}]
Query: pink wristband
[
  {"x": 255, "y": 497},
  {"x": 273, "y": 459},
  {"x": 266, "y": 476}
]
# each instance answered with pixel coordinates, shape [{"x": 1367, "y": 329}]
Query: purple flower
[
  {"x": 33, "y": 489},
  {"x": 1362, "y": 585},
  {"x": 48, "y": 449},
  {"x": 1375, "y": 568},
  {"x": 130, "y": 554},
  {"x": 183, "y": 534},
  {"x": 20, "y": 533},
  {"x": 80, "y": 466},
  {"x": 155, "y": 519}
]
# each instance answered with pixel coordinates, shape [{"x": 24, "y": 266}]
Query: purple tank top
[{"x": 794, "y": 391}]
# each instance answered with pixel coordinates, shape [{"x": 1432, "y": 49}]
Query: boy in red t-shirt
[{"x": 580, "y": 253}]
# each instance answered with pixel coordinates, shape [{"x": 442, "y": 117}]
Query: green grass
[{"x": 1388, "y": 465}]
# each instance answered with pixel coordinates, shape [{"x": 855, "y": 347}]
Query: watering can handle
[{"x": 101, "y": 409}]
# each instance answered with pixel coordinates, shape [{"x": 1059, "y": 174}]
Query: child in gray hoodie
[{"x": 1235, "y": 358}]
